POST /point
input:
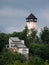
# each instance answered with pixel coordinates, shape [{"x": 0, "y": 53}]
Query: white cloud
[
  {"x": 12, "y": 19},
  {"x": 11, "y": 29},
  {"x": 18, "y": 15},
  {"x": 11, "y": 12},
  {"x": 45, "y": 15},
  {"x": 43, "y": 18},
  {"x": 7, "y": 1}
]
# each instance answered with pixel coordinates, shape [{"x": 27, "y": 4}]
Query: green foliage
[
  {"x": 38, "y": 61},
  {"x": 46, "y": 62},
  {"x": 19, "y": 63},
  {"x": 17, "y": 34},
  {"x": 7, "y": 57},
  {"x": 38, "y": 53},
  {"x": 23, "y": 35},
  {"x": 40, "y": 50},
  {"x": 3, "y": 40},
  {"x": 35, "y": 60},
  {"x": 31, "y": 37},
  {"x": 45, "y": 35}
]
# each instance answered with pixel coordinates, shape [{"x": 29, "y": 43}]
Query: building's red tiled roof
[{"x": 31, "y": 16}]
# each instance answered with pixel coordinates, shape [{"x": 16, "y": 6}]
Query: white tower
[{"x": 31, "y": 22}]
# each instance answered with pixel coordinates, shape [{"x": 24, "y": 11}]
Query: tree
[
  {"x": 7, "y": 57},
  {"x": 38, "y": 61},
  {"x": 35, "y": 60},
  {"x": 41, "y": 50},
  {"x": 46, "y": 62},
  {"x": 3, "y": 40},
  {"x": 31, "y": 37},
  {"x": 24, "y": 35},
  {"x": 44, "y": 35}
]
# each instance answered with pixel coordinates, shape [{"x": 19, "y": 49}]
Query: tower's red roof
[{"x": 31, "y": 16}]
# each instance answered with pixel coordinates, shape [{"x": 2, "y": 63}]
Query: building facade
[
  {"x": 31, "y": 22},
  {"x": 17, "y": 45}
]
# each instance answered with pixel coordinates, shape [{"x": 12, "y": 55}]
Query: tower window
[
  {"x": 31, "y": 19},
  {"x": 35, "y": 19},
  {"x": 27, "y": 20}
]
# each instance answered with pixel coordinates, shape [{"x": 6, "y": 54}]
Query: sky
[{"x": 13, "y": 14}]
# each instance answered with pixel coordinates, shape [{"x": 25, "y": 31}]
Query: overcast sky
[{"x": 14, "y": 12}]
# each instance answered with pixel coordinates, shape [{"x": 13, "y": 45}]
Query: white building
[
  {"x": 31, "y": 22},
  {"x": 17, "y": 45}
]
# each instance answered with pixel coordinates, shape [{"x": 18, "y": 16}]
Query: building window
[
  {"x": 13, "y": 45},
  {"x": 24, "y": 51}
]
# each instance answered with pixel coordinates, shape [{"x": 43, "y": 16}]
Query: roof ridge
[{"x": 31, "y": 16}]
